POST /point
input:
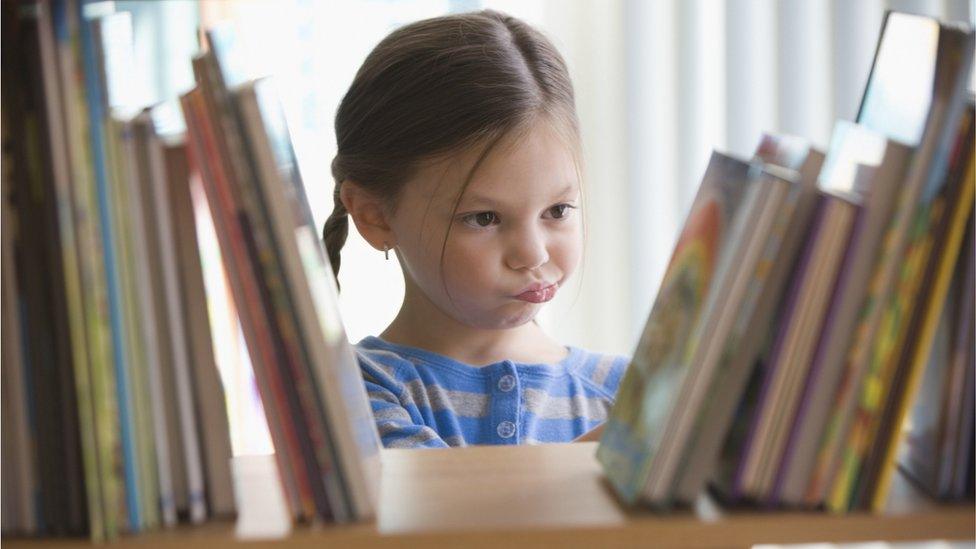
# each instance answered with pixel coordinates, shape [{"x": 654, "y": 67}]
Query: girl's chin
[{"x": 525, "y": 313}]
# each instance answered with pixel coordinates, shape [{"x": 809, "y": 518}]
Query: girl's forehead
[{"x": 536, "y": 163}]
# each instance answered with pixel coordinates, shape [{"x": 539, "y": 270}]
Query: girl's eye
[
  {"x": 480, "y": 219},
  {"x": 559, "y": 210}
]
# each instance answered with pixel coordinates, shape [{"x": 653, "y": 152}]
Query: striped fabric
[{"x": 425, "y": 400}]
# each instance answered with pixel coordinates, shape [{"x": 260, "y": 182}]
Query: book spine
[
  {"x": 742, "y": 485},
  {"x": 902, "y": 400},
  {"x": 209, "y": 397},
  {"x": 18, "y": 461},
  {"x": 181, "y": 366},
  {"x": 282, "y": 290},
  {"x": 241, "y": 277},
  {"x": 881, "y": 379},
  {"x": 137, "y": 391},
  {"x": 816, "y": 383},
  {"x": 156, "y": 423},
  {"x": 96, "y": 385}
]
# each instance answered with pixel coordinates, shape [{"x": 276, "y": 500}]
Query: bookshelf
[
  {"x": 249, "y": 182},
  {"x": 555, "y": 495}
]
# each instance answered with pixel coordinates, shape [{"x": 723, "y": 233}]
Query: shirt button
[
  {"x": 506, "y": 429},
  {"x": 506, "y": 383}
]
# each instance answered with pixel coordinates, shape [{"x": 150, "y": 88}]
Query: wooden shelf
[{"x": 521, "y": 496}]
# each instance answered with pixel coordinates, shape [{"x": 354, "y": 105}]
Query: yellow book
[{"x": 933, "y": 309}]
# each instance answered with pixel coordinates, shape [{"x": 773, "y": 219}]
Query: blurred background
[{"x": 659, "y": 84}]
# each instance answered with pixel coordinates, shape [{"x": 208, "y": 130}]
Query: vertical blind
[{"x": 697, "y": 75}]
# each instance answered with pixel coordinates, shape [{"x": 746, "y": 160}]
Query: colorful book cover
[
  {"x": 797, "y": 157},
  {"x": 645, "y": 399},
  {"x": 759, "y": 241},
  {"x": 939, "y": 62},
  {"x": 946, "y": 233},
  {"x": 349, "y": 442},
  {"x": 880, "y": 383},
  {"x": 124, "y": 459},
  {"x": 242, "y": 278},
  {"x": 114, "y": 59},
  {"x": 157, "y": 447},
  {"x": 875, "y": 168},
  {"x": 96, "y": 385},
  {"x": 881, "y": 388},
  {"x": 259, "y": 118},
  {"x": 269, "y": 286}
]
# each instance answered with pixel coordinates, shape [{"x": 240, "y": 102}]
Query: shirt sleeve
[
  {"x": 399, "y": 423},
  {"x": 397, "y": 427}
]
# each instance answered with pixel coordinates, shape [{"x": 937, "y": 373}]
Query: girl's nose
[{"x": 527, "y": 249}]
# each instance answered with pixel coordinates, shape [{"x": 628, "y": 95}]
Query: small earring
[{"x": 386, "y": 251}]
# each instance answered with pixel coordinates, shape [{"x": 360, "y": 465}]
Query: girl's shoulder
[
  {"x": 602, "y": 371},
  {"x": 383, "y": 364}
]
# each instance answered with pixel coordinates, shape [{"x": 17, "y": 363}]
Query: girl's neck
[{"x": 421, "y": 324}]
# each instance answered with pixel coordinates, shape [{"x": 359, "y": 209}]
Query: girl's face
[{"x": 517, "y": 228}]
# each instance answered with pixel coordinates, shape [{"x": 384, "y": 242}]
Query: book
[
  {"x": 225, "y": 72},
  {"x": 772, "y": 210},
  {"x": 209, "y": 399},
  {"x": 919, "y": 119},
  {"x": 875, "y": 167},
  {"x": 801, "y": 316},
  {"x": 936, "y": 430},
  {"x": 647, "y": 396},
  {"x": 943, "y": 238},
  {"x": 155, "y": 329},
  {"x": 266, "y": 350},
  {"x": 756, "y": 313},
  {"x": 18, "y": 465},
  {"x": 948, "y": 58},
  {"x": 350, "y": 472}
]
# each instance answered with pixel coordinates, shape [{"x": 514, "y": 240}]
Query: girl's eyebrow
[{"x": 492, "y": 203}]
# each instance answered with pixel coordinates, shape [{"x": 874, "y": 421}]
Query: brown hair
[{"x": 438, "y": 86}]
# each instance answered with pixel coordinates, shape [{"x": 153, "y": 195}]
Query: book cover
[
  {"x": 352, "y": 463},
  {"x": 258, "y": 134},
  {"x": 943, "y": 54},
  {"x": 209, "y": 399},
  {"x": 796, "y": 156},
  {"x": 767, "y": 222},
  {"x": 943, "y": 238},
  {"x": 155, "y": 335},
  {"x": 241, "y": 276},
  {"x": 645, "y": 399},
  {"x": 269, "y": 286},
  {"x": 123, "y": 451},
  {"x": 95, "y": 384},
  {"x": 875, "y": 168},
  {"x": 895, "y": 311}
]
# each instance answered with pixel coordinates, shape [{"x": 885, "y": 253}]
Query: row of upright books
[
  {"x": 807, "y": 296},
  {"x": 326, "y": 442},
  {"x": 114, "y": 415},
  {"x": 113, "y": 409}
]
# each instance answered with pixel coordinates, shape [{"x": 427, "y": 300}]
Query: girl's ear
[{"x": 369, "y": 214}]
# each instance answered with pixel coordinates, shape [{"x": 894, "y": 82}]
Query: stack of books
[
  {"x": 114, "y": 416},
  {"x": 326, "y": 443},
  {"x": 798, "y": 311}
]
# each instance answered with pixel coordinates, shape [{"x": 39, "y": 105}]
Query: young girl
[{"x": 458, "y": 149}]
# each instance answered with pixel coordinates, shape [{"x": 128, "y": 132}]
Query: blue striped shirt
[{"x": 422, "y": 399}]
